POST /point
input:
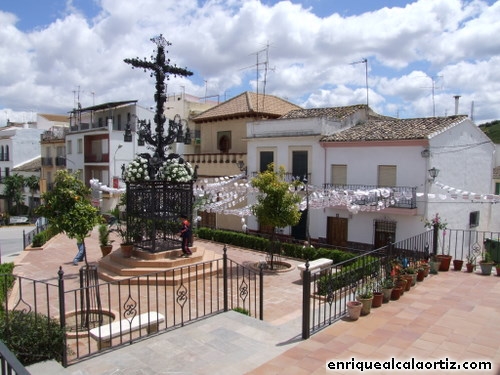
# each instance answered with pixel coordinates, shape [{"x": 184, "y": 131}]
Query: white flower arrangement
[
  {"x": 137, "y": 170},
  {"x": 174, "y": 171}
]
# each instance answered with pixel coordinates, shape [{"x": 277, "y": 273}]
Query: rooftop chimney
[{"x": 457, "y": 97}]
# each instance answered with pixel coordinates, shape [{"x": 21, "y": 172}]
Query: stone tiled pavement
[{"x": 452, "y": 315}]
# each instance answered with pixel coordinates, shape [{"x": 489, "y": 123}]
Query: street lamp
[{"x": 114, "y": 164}]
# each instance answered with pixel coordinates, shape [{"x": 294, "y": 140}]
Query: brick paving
[{"x": 451, "y": 315}]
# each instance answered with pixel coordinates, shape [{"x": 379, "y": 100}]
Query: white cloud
[{"x": 309, "y": 56}]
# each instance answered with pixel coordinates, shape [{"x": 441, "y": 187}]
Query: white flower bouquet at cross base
[
  {"x": 173, "y": 170},
  {"x": 137, "y": 170}
]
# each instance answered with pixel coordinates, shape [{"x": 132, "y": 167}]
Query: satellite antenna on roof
[
  {"x": 364, "y": 61},
  {"x": 433, "y": 88}
]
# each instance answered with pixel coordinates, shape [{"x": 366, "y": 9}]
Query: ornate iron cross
[{"x": 160, "y": 68}]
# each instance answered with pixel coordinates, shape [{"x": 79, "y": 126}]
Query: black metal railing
[
  {"x": 461, "y": 243},
  {"x": 179, "y": 295},
  {"x": 9, "y": 363},
  {"x": 28, "y": 236},
  {"x": 326, "y": 293}
]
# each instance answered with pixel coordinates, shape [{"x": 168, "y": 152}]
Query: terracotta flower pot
[
  {"x": 498, "y": 270},
  {"x": 105, "y": 250},
  {"x": 127, "y": 250},
  {"x": 470, "y": 267},
  {"x": 396, "y": 293},
  {"x": 409, "y": 280},
  {"x": 378, "y": 297},
  {"x": 458, "y": 264},
  {"x": 354, "y": 309},
  {"x": 402, "y": 284},
  {"x": 421, "y": 275},
  {"x": 445, "y": 262}
]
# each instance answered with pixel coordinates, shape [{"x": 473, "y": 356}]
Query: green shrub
[
  {"x": 6, "y": 281},
  {"x": 262, "y": 244},
  {"x": 242, "y": 310},
  {"x": 349, "y": 275},
  {"x": 32, "y": 337},
  {"x": 41, "y": 238}
]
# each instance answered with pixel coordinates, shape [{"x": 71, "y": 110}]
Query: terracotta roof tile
[
  {"x": 55, "y": 118},
  {"x": 29, "y": 166},
  {"x": 247, "y": 104},
  {"x": 395, "y": 129},
  {"x": 333, "y": 112}
]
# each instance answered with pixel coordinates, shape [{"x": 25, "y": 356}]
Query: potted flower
[
  {"x": 436, "y": 223},
  {"x": 387, "y": 285},
  {"x": 486, "y": 264},
  {"x": 354, "y": 309},
  {"x": 104, "y": 242},
  {"x": 378, "y": 296},
  {"x": 458, "y": 264},
  {"x": 176, "y": 169},
  {"x": 126, "y": 245},
  {"x": 435, "y": 264},
  {"x": 470, "y": 262},
  {"x": 365, "y": 296}
]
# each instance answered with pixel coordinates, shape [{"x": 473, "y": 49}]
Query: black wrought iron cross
[{"x": 160, "y": 68}]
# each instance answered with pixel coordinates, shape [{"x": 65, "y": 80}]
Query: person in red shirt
[{"x": 185, "y": 234}]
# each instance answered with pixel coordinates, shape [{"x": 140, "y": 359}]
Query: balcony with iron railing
[
  {"x": 218, "y": 157},
  {"x": 370, "y": 195},
  {"x": 47, "y": 161}
]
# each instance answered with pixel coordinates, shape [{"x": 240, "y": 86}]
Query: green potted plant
[
  {"x": 126, "y": 245},
  {"x": 435, "y": 264},
  {"x": 104, "y": 242},
  {"x": 365, "y": 296},
  {"x": 470, "y": 262},
  {"x": 378, "y": 296},
  {"x": 387, "y": 285},
  {"x": 486, "y": 264}
]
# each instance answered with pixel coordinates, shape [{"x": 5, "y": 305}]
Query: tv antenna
[
  {"x": 433, "y": 88},
  {"x": 257, "y": 65},
  {"x": 364, "y": 61}
]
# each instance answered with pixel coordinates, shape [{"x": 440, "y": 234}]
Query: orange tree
[
  {"x": 277, "y": 206},
  {"x": 68, "y": 207}
]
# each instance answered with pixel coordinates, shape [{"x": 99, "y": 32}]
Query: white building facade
[{"x": 352, "y": 154}]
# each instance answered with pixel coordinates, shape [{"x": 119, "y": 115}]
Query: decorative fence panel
[{"x": 98, "y": 316}]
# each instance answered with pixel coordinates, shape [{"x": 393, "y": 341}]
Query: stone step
[{"x": 114, "y": 267}]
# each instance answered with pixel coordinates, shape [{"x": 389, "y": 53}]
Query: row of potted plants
[
  {"x": 486, "y": 264},
  {"x": 375, "y": 293}
]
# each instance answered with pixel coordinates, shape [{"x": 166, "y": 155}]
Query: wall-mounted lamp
[{"x": 433, "y": 173}]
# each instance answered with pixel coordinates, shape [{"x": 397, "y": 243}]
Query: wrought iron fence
[
  {"x": 326, "y": 293},
  {"x": 97, "y": 316},
  {"x": 461, "y": 243},
  {"x": 9, "y": 363},
  {"x": 28, "y": 236}
]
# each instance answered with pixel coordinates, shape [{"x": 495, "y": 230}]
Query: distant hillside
[{"x": 492, "y": 130}]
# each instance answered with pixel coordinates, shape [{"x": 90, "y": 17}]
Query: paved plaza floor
[{"x": 452, "y": 316}]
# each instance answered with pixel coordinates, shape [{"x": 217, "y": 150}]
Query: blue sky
[{"x": 419, "y": 53}]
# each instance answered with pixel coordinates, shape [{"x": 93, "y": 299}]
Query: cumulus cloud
[{"x": 303, "y": 57}]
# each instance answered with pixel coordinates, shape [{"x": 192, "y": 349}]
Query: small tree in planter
[
  {"x": 277, "y": 206},
  {"x": 69, "y": 209}
]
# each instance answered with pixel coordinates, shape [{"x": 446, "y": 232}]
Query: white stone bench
[
  {"x": 315, "y": 266},
  {"x": 103, "y": 334}
]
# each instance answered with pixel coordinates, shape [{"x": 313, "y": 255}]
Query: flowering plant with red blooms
[{"x": 436, "y": 221}]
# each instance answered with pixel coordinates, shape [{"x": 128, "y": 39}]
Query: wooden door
[{"x": 336, "y": 232}]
